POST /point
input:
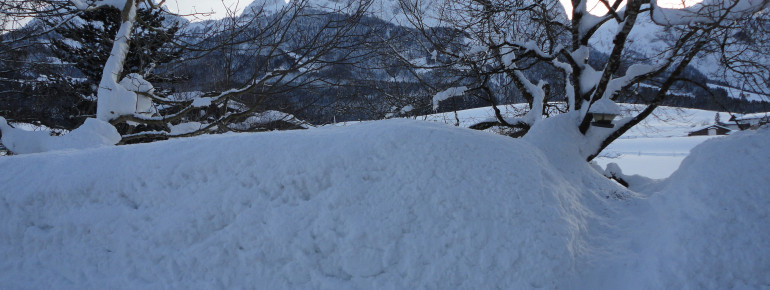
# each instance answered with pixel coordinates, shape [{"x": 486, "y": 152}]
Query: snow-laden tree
[
  {"x": 20, "y": 39},
  {"x": 94, "y": 132},
  {"x": 85, "y": 43},
  {"x": 293, "y": 41},
  {"x": 499, "y": 48},
  {"x": 286, "y": 45},
  {"x": 53, "y": 80}
]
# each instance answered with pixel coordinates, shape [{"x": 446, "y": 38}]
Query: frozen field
[{"x": 651, "y": 157}]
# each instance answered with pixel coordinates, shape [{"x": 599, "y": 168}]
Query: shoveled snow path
[{"x": 705, "y": 227}]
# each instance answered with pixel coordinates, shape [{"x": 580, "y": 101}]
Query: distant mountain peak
[{"x": 266, "y": 6}]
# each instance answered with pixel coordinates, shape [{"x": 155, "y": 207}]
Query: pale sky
[
  {"x": 207, "y": 6},
  {"x": 220, "y": 10}
]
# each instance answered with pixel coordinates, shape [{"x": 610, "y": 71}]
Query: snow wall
[
  {"x": 392, "y": 204},
  {"x": 713, "y": 217}
]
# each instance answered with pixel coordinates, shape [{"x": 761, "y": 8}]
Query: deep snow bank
[
  {"x": 714, "y": 217},
  {"x": 393, "y": 204},
  {"x": 705, "y": 227}
]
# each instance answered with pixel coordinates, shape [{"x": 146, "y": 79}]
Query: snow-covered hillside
[{"x": 387, "y": 204}]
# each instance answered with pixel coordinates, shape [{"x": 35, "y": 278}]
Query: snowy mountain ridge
[{"x": 648, "y": 40}]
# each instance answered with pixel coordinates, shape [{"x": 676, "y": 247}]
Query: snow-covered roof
[
  {"x": 604, "y": 106},
  {"x": 711, "y": 126},
  {"x": 765, "y": 115}
]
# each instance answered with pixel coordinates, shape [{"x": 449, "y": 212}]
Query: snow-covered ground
[
  {"x": 651, "y": 157},
  {"x": 389, "y": 204}
]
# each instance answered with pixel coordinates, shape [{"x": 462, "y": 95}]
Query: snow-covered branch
[{"x": 446, "y": 94}]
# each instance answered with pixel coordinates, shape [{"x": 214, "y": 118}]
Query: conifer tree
[{"x": 86, "y": 45}]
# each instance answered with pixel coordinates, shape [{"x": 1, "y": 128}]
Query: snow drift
[
  {"x": 705, "y": 227},
  {"x": 395, "y": 204},
  {"x": 713, "y": 213},
  {"x": 390, "y": 204}
]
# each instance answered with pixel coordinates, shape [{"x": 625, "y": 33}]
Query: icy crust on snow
[
  {"x": 714, "y": 215},
  {"x": 390, "y": 204}
]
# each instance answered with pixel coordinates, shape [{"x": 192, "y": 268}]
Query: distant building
[
  {"x": 711, "y": 130},
  {"x": 750, "y": 121},
  {"x": 730, "y": 125}
]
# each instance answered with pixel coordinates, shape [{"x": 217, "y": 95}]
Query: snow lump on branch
[
  {"x": 93, "y": 133},
  {"x": 446, "y": 94}
]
